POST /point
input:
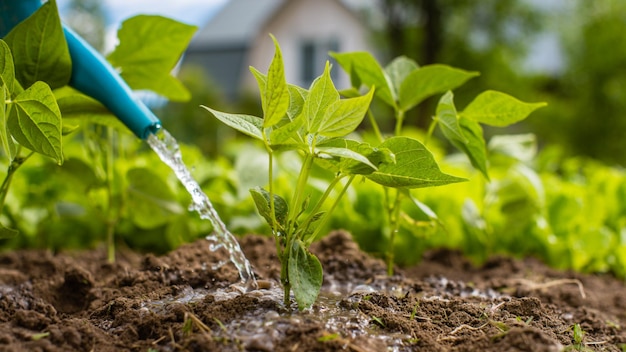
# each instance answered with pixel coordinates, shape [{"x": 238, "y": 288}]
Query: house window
[{"x": 313, "y": 54}]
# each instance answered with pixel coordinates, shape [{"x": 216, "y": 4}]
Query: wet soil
[{"x": 76, "y": 301}]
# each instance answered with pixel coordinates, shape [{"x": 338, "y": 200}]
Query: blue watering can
[{"x": 91, "y": 73}]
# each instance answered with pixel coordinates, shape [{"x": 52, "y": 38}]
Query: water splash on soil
[
  {"x": 168, "y": 150},
  {"x": 259, "y": 329}
]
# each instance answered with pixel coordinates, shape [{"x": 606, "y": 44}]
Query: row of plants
[
  {"x": 311, "y": 165},
  {"x": 72, "y": 167}
]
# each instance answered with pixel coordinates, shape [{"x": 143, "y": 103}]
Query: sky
[
  {"x": 196, "y": 12},
  {"x": 189, "y": 11}
]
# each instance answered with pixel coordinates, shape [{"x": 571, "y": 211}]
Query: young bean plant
[
  {"x": 316, "y": 122},
  {"x": 402, "y": 85}
]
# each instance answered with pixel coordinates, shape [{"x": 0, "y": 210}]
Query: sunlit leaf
[
  {"x": 498, "y": 109},
  {"x": 7, "y": 69},
  {"x": 415, "y": 166},
  {"x": 275, "y": 99},
  {"x": 321, "y": 95},
  {"x": 397, "y": 71},
  {"x": 150, "y": 47},
  {"x": 39, "y": 48},
  {"x": 345, "y": 153},
  {"x": 246, "y": 124},
  {"x": 35, "y": 121},
  {"x": 297, "y": 96},
  {"x": 428, "y": 81},
  {"x": 448, "y": 119},
  {"x": 345, "y": 115},
  {"x": 364, "y": 69},
  {"x": 353, "y": 166}
]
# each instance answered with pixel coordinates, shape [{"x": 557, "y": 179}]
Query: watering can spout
[{"x": 91, "y": 73}]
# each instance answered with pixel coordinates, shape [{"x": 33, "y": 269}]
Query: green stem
[
  {"x": 375, "y": 127},
  {"x": 111, "y": 216},
  {"x": 394, "y": 220},
  {"x": 13, "y": 167},
  {"x": 328, "y": 214},
  {"x": 299, "y": 191},
  {"x": 431, "y": 130},
  {"x": 399, "y": 122},
  {"x": 319, "y": 203}
]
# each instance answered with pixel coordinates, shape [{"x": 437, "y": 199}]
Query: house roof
[{"x": 236, "y": 23}]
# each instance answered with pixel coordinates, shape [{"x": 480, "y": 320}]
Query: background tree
[{"x": 87, "y": 18}]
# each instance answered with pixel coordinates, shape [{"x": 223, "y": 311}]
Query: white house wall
[{"x": 305, "y": 20}]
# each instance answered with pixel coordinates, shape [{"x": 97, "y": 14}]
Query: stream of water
[{"x": 168, "y": 150}]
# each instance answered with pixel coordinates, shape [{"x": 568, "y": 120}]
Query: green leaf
[
  {"x": 296, "y": 94},
  {"x": 287, "y": 132},
  {"x": 447, "y": 117},
  {"x": 498, "y": 109},
  {"x": 398, "y": 70},
  {"x": 5, "y": 138},
  {"x": 261, "y": 199},
  {"x": 345, "y": 153},
  {"x": 353, "y": 166},
  {"x": 275, "y": 100},
  {"x": 475, "y": 147},
  {"x": 246, "y": 124},
  {"x": 39, "y": 48},
  {"x": 345, "y": 115},
  {"x": 430, "y": 80},
  {"x": 35, "y": 121},
  {"x": 321, "y": 95},
  {"x": 150, "y": 47},
  {"x": 305, "y": 275},
  {"x": 296, "y": 101},
  {"x": 152, "y": 201},
  {"x": 364, "y": 69},
  {"x": 6, "y": 232},
  {"x": 415, "y": 166},
  {"x": 7, "y": 69}
]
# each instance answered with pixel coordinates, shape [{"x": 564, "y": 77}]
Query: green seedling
[
  {"x": 402, "y": 85},
  {"x": 316, "y": 123},
  {"x": 578, "y": 335}
]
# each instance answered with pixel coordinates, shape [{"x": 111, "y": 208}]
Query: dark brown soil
[{"x": 177, "y": 302}]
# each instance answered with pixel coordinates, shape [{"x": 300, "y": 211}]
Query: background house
[{"x": 238, "y": 37}]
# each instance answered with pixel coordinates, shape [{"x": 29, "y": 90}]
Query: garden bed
[{"x": 79, "y": 302}]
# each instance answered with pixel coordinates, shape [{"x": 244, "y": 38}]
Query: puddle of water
[
  {"x": 260, "y": 328},
  {"x": 168, "y": 150}
]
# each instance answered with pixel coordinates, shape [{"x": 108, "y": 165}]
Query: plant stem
[
  {"x": 394, "y": 220},
  {"x": 110, "y": 223},
  {"x": 307, "y": 221},
  {"x": 330, "y": 211},
  {"x": 298, "y": 192},
  {"x": 431, "y": 130},
  {"x": 375, "y": 127},
  {"x": 13, "y": 166},
  {"x": 399, "y": 122}
]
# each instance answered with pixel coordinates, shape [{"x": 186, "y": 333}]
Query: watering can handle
[{"x": 91, "y": 73}]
